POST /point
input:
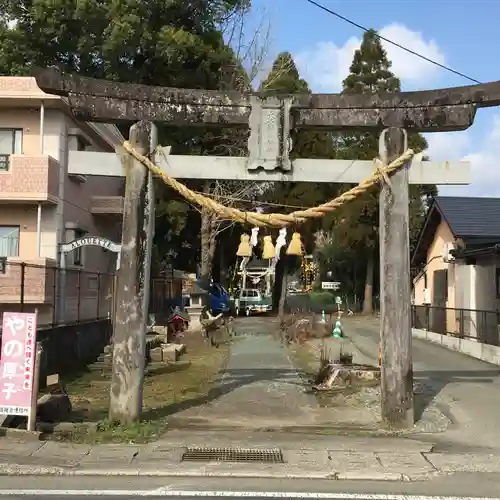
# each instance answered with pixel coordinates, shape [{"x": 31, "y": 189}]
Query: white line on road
[{"x": 165, "y": 492}]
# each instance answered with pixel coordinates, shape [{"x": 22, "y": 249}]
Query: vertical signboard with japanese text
[{"x": 17, "y": 363}]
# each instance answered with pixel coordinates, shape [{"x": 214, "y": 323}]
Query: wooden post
[
  {"x": 31, "y": 425},
  {"x": 129, "y": 336},
  {"x": 395, "y": 290}
]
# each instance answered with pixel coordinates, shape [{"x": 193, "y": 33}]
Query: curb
[{"x": 28, "y": 470}]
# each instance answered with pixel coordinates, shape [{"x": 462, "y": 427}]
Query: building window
[
  {"x": 10, "y": 143},
  {"x": 9, "y": 241},
  {"x": 93, "y": 284},
  {"x": 78, "y": 253},
  {"x": 75, "y": 257}
]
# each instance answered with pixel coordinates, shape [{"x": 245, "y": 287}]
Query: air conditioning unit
[{"x": 447, "y": 256}]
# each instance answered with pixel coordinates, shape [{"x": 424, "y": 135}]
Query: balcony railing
[
  {"x": 22, "y": 282},
  {"x": 79, "y": 295},
  {"x": 30, "y": 178},
  {"x": 107, "y": 205}
]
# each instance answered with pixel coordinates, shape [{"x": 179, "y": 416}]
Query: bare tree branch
[{"x": 251, "y": 54}]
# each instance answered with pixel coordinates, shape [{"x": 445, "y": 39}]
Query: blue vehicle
[{"x": 219, "y": 299}]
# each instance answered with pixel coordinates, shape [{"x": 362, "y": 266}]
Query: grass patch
[{"x": 167, "y": 389}]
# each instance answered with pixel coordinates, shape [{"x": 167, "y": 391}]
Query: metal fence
[
  {"x": 60, "y": 296},
  {"x": 480, "y": 325},
  {"x": 69, "y": 296}
]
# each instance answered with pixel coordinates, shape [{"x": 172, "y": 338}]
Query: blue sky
[{"x": 461, "y": 34}]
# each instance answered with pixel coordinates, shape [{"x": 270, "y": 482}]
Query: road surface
[
  {"x": 459, "y": 486},
  {"x": 466, "y": 389}
]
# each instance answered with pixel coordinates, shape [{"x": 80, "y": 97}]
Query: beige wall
[
  {"x": 74, "y": 197},
  {"x": 29, "y": 121},
  {"x": 23, "y": 216},
  {"x": 71, "y": 211},
  {"x": 486, "y": 294},
  {"x": 77, "y": 213},
  {"x": 435, "y": 262},
  {"x": 470, "y": 287}
]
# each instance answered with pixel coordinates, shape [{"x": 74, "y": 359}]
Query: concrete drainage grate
[{"x": 272, "y": 455}]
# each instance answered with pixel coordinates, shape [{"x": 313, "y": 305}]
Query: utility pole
[
  {"x": 395, "y": 292},
  {"x": 129, "y": 336}
]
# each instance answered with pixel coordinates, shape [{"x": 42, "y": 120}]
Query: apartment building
[{"x": 43, "y": 207}]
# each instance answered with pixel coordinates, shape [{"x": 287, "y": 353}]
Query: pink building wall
[{"x": 39, "y": 176}]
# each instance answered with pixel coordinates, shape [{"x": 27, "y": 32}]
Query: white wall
[
  {"x": 486, "y": 297},
  {"x": 52, "y": 218}
]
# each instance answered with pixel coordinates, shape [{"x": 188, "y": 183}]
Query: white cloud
[
  {"x": 442, "y": 145},
  {"x": 326, "y": 64},
  {"x": 484, "y": 156}
]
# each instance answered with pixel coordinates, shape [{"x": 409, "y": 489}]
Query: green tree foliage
[
  {"x": 356, "y": 226},
  {"x": 158, "y": 42},
  {"x": 172, "y": 43}
]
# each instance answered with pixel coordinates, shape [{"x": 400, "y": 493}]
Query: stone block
[
  {"x": 170, "y": 353},
  {"x": 53, "y": 407},
  {"x": 52, "y": 380},
  {"x": 156, "y": 354},
  {"x": 160, "y": 330},
  {"x": 181, "y": 348}
]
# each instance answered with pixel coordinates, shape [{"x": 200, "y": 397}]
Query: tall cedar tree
[
  {"x": 174, "y": 43},
  {"x": 356, "y": 227}
]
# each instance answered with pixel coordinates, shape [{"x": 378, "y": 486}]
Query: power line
[{"x": 352, "y": 23}]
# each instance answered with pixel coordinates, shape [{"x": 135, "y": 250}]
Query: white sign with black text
[
  {"x": 97, "y": 241},
  {"x": 330, "y": 285}
]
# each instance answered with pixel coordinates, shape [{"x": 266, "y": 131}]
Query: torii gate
[{"x": 270, "y": 119}]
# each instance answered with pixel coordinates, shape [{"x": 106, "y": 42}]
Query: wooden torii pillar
[{"x": 270, "y": 119}]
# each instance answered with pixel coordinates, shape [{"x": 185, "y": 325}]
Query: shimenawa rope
[{"x": 273, "y": 219}]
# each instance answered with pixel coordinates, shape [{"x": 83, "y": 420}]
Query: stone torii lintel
[
  {"x": 238, "y": 169},
  {"x": 420, "y": 111}
]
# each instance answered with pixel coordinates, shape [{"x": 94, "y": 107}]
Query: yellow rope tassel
[
  {"x": 244, "y": 248},
  {"x": 295, "y": 247},
  {"x": 268, "y": 251}
]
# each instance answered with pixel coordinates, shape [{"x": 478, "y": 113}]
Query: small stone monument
[{"x": 195, "y": 308}]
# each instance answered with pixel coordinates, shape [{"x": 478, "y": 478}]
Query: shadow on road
[
  {"x": 432, "y": 382},
  {"x": 230, "y": 380}
]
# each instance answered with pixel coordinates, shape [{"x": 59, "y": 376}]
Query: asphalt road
[
  {"x": 281, "y": 497},
  {"x": 244, "y": 495},
  {"x": 466, "y": 389},
  {"x": 466, "y": 485}
]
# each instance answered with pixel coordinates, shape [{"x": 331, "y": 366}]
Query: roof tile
[{"x": 477, "y": 217}]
